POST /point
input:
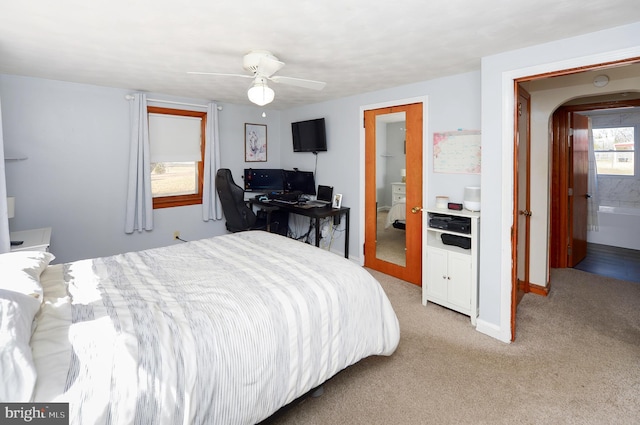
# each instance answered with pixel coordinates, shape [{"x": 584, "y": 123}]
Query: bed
[
  {"x": 397, "y": 216},
  {"x": 224, "y": 330}
]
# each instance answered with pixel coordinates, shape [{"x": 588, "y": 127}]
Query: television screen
[
  {"x": 309, "y": 136},
  {"x": 263, "y": 180},
  {"x": 299, "y": 181}
]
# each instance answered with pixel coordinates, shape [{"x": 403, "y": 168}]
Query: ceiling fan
[{"x": 263, "y": 65}]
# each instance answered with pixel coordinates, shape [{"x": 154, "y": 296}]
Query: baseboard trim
[
  {"x": 493, "y": 331},
  {"x": 538, "y": 289}
]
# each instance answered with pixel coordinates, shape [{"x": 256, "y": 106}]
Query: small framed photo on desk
[{"x": 337, "y": 200}]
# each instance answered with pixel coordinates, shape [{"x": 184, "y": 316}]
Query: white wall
[
  {"x": 232, "y": 120},
  {"x": 76, "y": 138},
  {"x": 453, "y": 104},
  {"x": 498, "y": 74}
]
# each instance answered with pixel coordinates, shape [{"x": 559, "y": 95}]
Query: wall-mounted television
[{"x": 309, "y": 136}]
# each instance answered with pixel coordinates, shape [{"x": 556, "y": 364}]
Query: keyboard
[
  {"x": 317, "y": 203},
  {"x": 284, "y": 197}
]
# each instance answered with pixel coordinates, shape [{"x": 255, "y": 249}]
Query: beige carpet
[
  {"x": 576, "y": 360},
  {"x": 390, "y": 242}
]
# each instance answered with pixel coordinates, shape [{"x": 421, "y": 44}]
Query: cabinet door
[
  {"x": 460, "y": 280},
  {"x": 437, "y": 273}
]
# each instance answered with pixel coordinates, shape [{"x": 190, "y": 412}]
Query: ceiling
[{"x": 355, "y": 46}]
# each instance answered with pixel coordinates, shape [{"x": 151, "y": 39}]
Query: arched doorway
[{"x": 543, "y": 208}]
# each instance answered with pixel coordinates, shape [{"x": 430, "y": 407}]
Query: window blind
[{"x": 174, "y": 138}]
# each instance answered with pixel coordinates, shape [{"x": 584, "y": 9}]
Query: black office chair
[{"x": 239, "y": 215}]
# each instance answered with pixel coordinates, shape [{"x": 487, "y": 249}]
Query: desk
[{"x": 314, "y": 213}]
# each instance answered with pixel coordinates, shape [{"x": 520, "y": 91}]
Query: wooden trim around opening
[
  {"x": 195, "y": 198},
  {"x": 538, "y": 289}
]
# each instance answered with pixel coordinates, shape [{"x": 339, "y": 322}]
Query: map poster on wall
[{"x": 456, "y": 152}]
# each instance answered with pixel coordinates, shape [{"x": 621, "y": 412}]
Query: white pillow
[
  {"x": 20, "y": 271},
  {"x": 21, "y": 295},
  {"x": 17, "y": 370}
]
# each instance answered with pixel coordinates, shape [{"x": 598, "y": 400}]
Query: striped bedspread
[{"x": 223, "y": 330}]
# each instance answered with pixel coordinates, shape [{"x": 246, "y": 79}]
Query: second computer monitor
[
  {"x": 263, "y": 179},
  {"x": 299, "y": 181}
]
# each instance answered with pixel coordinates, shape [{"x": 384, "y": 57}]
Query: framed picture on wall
[{"x": 255, "y": 142}]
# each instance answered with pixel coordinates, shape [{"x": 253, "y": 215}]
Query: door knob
[
  {"x": 586, "y": 195},
  {"x": 416, "y": 210},
  {"x": 525, "y": 213}
]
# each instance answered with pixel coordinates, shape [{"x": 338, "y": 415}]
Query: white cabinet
[
  {"x": 398, "y": 193},
  {"x": 451, "y": 274},
  {"x": 448, "y": 279},
  {"x": 32, "y": 240}
]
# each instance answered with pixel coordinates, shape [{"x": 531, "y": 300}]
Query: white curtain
[
  {"x": 211, "y": 208},
  {"x": 593, "y": 203},
  {"x": 5, "y": 236},
  {"x": 139, "y": 215}
]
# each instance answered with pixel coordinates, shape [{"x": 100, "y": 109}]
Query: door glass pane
[{"x": 390, "y": 188}]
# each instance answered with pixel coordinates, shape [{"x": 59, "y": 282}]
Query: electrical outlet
[{"x": 176, "y": 234}]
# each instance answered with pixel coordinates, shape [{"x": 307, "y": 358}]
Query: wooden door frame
[
  {"x": 412, "y": 271},
  {"x": 559, "y": 200},
  {"x": 425, "y": 152},
  {"x": 518, "y": 288}
]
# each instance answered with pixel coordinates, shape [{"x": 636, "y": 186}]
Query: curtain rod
[{"x": 130, "y": 97}]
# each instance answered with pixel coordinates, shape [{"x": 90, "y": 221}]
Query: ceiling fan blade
[
  {"x": 268, "y": 66},
  {"x": 299, "y": 82},
  {"x": 219, "y": 74}
]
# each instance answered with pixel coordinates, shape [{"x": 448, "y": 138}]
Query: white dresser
[{"x": 398, "y": 193}]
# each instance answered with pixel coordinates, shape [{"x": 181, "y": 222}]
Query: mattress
[
  {"x": 224, "y": 330},
  {"x": 397, "y": 212}
]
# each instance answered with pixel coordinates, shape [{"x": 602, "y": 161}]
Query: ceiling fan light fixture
[{"x": 260, "y": 93}]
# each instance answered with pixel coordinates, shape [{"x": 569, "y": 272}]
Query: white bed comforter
[
  {"x": 396, "y": 212},
  {"x": 218, "y": 331}
]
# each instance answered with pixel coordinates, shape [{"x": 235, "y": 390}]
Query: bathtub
[{"x": 617, "y": 226}]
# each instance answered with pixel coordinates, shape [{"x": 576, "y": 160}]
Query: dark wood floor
[{"x": 611, "y": 261}]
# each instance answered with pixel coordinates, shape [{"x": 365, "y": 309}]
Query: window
[
  {"x": 614, "y": 149},
  {"x": 176, "y": 143}
]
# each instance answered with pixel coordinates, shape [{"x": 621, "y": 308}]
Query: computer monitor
[
  {"x": 299, "y": 181},
  {"x": 263, "y": 179},
  {"x": 325, "y": 193}
]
